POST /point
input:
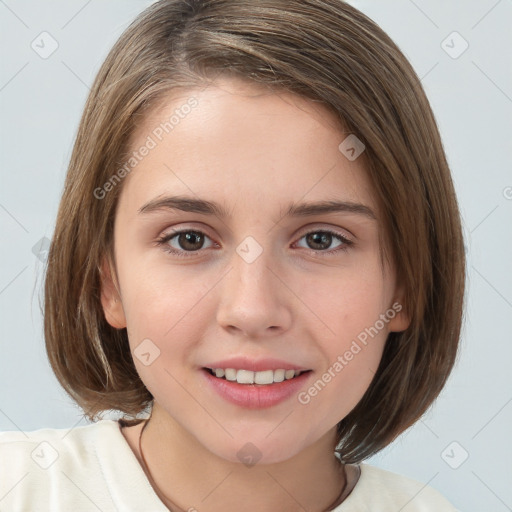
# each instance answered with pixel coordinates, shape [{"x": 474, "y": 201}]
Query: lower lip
[{"x": 256, "y": 396}]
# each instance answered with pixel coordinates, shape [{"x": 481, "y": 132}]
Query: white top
[{"x": 93, "y": 468}]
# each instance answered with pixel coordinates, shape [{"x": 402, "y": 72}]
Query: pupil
[
  {"x": 189, "y": 239},
  {"x": 322, "y": 239}
]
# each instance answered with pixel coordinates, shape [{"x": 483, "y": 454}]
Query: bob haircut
[{"x": 326, "y": 51}]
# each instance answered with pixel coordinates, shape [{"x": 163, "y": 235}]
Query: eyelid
[
  {"x": 180, "y": 228},
  {"x": 319, "y": 226}
]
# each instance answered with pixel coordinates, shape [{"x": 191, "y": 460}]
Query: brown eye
[
  {"x": 187, "y": 242},
  {"x": 321, "y": 240},
  {"x": 190, "y": 240},
  {"x": 183, "y": 242}
]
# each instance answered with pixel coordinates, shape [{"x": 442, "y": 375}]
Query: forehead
[{"x": 235, "y": 141}]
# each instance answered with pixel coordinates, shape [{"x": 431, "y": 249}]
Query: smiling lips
[
  {"x": 255, "y": 384},
  {"x": 243, "y": 376}
]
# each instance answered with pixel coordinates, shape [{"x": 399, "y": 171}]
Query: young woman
[{"x": 257, "y": 260}]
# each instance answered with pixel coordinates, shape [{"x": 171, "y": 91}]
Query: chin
[{"x": 255, "y": 452}]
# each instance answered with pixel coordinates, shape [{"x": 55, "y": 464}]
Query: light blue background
[{"x": 41, "y": 103}]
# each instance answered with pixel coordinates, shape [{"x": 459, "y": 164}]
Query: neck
[{"x": 187, "y": 476}]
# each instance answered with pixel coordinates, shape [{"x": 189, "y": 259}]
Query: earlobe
[
  {"x": 110, "y": 297},
  {"x": 400, "y": 318}
]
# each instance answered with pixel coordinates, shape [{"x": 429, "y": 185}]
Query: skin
[{"x": 254, "y": 152}]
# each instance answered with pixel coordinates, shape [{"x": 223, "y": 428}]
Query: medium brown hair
[{"x": 323, "y": 50}]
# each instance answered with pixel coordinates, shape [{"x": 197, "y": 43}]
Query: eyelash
[{"x": 162, "y": 241}]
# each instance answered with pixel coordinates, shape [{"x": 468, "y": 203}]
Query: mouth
[{"x": 247, "y": 377}]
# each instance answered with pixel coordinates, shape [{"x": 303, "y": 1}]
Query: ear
[
  {"x": 110, "y": 297},
  {"x": 401, "y": 319}
]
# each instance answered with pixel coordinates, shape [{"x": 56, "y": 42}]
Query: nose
[{"x": 255, "y": 300}]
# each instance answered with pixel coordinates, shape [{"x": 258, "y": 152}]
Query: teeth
[
  {"x": 245, "y": 377},
  {"x": 279, "y": 375},
  {"x": 249, "y": 377},
  {"x": 266, "y": 377},
  {"x": 230, "y": 374}
]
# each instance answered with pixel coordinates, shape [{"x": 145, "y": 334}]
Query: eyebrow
[{"x": 205, "y": 207}]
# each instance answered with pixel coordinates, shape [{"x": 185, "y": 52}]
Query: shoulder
[
  {"x": 46, "y": 446},
  {"x": 379, "y": 489},
  {"x": 39, "y": 465}
]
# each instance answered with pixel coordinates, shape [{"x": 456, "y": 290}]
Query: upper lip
[{"x": 255, "y": 365}]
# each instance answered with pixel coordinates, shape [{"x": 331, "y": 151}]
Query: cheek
[
  {"x": 166, "y": 317},
  {"x": 348, "y": 300},
  {"x": 351, "y": 362},
  {"x": 353, "y": 314},
  {"x": 158, "y": 298}
]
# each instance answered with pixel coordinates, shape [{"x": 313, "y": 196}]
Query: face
[{"x": 252, "y": 279}]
